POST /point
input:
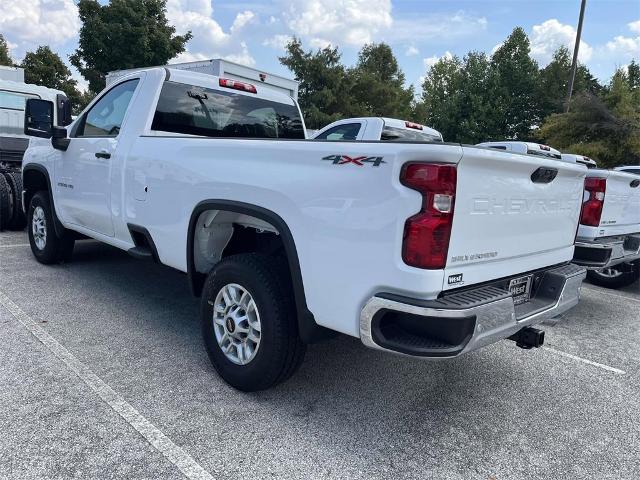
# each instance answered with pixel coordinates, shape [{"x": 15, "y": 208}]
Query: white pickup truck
[
  {"x": 608, "y": 241},
  {"x": 423, "y": 249},
  {"x": 378, "y": 128}
]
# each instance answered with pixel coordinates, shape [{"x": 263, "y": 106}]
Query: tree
[
  {"x": 605, "y": 127},
  {"x": 378, "y": 83},
  {"x": 554, "y": 82},
  {"x": 123, "y": 34},
  {"x": 514, "y": 82},
  {"x": 440, "y": 107},
  {"x": 324, "y": 84},
  {"x": 5, "y": 57},
  {"x": 44, "y": 67}
]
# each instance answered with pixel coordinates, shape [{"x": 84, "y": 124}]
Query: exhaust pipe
[{"x": 528, "y": 338}]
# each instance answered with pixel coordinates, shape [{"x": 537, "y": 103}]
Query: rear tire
[
  {"x": 18, "y": 219},
  {"x": 46, "y": 246},
  {"x": 249, "y": 293},
  {"x": 6, "y": 203},
  {"x": 618, "y": 276}
]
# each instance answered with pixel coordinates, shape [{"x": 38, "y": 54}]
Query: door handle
[{"x": 103, "y": 154}]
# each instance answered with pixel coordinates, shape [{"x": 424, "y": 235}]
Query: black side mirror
[
  {"x": 38, "y": 118},
  {"x": 59, "y": 139}
]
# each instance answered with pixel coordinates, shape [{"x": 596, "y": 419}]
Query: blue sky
[{"x": 419, "y": 31}]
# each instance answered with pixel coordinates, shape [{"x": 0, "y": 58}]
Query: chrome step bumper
[
  {"x": 607, "y": 252},
  {"x": 465, "y": 321}
]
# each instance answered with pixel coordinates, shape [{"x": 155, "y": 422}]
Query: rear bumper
[
  {"x": 607, "y": 252},
  {"x": 462, "y": 322}
]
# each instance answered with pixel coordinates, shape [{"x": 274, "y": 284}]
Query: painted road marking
[
  {"x": 584, "y": 360},
  {"x": 611, "y": 294},
  {"x": 158, "y": 440},
  {"x": 16, "y": 245}
]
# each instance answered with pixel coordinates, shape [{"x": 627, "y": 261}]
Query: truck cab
[
  {"x": 14, "y": 93},
  {"x": 525, "y": 148}
]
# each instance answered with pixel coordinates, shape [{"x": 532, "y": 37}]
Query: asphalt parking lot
[{"x": 103, "y": 375}]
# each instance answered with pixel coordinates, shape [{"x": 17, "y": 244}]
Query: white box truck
[{"x": 226, "y": 69}]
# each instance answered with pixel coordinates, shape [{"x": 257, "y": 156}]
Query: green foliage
[
  {"x": 554, "y": 82},
  {"x": 5, "y": 57},
  {"x": 325, "y": 84},
  {"x": 514, "y": 78},
  {"x": 378, "y": 84},
  {"x": 123, "y": 34},
  {"x": 605, "y": 127},
  {"x": 44, "y": 67}
]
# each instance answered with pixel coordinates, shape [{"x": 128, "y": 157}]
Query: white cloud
[
  {"x": 624, "y": 44},
  {"x": 411, "y": 51},
  {"x": 547, "y": 37},
  {"x": 431, "y": 61},
  {"x": 277, "y": 42},
  {"x": 324, "y": 22},
  {"x": 634, "y": 26},
  {"x": 209, "y": 39},
  {"x": 38, "y": 22},
  {"x": 437, "y": 26}
]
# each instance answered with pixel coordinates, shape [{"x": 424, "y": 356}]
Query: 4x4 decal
[{"x": 359, "y": 161}]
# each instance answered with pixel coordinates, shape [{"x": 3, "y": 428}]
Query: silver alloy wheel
[
  {"x": 609, "y": 272},
  {"x": 236, "y": 323},
  {"x": 39, "y": 228}
]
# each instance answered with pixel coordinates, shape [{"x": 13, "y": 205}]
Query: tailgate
[
  {"x": 621, "y": 211},
  {"x": 505, "y": 223}
]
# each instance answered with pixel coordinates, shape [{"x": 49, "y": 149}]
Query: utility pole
[{"x": 574, "y": 64}]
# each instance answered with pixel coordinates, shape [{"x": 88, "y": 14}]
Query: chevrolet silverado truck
[
  {"x": 428, "y": 250},
  {"x": 608, "y": 241},
  {"x": 378, "y": 128}
]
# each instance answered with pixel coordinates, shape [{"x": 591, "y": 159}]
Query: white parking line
[
  {"x": 158, "y": 440},
  {"x": 16, "y": 245},
  {"x": 584, "y": 360},
  {"x": 611, "y": 294}
]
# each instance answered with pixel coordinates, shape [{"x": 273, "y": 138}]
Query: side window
[
  {"x": 347, "y": 131},
  {"x": 105, "y": 117}
]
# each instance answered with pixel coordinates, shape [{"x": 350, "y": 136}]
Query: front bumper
[
  {"x": 465, "y": 321},
  {"x": 607, "y": 252}
]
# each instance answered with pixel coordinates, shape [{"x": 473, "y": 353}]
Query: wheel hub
[
  {"x": 236, "y": 323},
  {"x": 39, "y": 228}
]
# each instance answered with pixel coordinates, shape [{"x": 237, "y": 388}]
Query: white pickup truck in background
[
  {"x": 378, "y": 128},
  {"x": 424, "y": 249},
  {"x": 608, "y": 241}
]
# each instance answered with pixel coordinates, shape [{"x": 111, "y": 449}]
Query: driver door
[{"x": 83, "y": 172}]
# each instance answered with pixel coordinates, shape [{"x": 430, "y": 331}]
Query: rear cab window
[
  {"x": 14, "y": 100},
  {"x": 394, "y": 134},
  {"x": 193, "y": 110}
]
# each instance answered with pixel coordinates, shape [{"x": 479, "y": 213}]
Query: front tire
[
  {"x": 618, "y": 276},
  {"x": 249, "y": 322},
  {"x": 46, "y": 246}
]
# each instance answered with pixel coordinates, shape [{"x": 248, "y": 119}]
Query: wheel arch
[
  {"x": 308, "y": 329},
  {"x": 34, "y": 179}
]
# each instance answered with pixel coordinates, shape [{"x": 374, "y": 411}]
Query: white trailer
[{"x": 226, "y": 69}]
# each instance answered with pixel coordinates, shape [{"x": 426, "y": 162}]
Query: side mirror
[
  {"x": 38, "y": 118},
  {"x": 59, "y": 139}
]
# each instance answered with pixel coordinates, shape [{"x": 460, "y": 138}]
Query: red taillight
[
  {"x": 244, "y": 87},
  {"x": 426, "y": 234},
  {"x": 592, "y": 207},
  {"x": 415, "y": 126}
]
